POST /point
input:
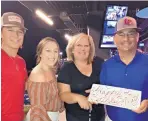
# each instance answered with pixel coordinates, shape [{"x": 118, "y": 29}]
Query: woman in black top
[{"x": 77, "y": 76}]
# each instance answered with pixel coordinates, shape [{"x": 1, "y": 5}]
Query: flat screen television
[{"x": 112, "y": 14}]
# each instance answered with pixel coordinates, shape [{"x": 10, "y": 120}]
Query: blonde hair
[
  {"x": 74, "y": 40},
  {"x": 40, "y": 47}
]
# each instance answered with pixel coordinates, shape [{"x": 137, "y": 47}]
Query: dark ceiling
[{"x": 80, "y": 14}]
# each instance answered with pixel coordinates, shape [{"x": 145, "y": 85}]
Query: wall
[{"x": 102, "y": 53}]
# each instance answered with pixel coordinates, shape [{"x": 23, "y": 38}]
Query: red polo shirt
[{"x": 12, "y": 87}]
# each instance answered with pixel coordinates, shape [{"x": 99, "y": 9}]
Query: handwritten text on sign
[{"x": 115, "y": 96}]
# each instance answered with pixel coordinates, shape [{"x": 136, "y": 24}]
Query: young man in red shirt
[{"x": 14, "y": 71}]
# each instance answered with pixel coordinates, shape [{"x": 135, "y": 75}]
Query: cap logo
[
  {"x": 127, "y": 21},
  {"x": 14, "y": 18}
]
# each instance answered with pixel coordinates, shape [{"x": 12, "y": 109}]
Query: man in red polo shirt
[{"x": 14, "y": 71}]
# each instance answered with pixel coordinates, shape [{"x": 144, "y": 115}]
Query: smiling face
[
  {"x": 126, "y": 40},
  {"x": 12, "y": 37},
  {"x": 81, "y": 49},
  {"x": 50, "y": 54}
]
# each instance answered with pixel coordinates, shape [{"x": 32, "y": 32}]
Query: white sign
[{"x": 115, "y": 96}]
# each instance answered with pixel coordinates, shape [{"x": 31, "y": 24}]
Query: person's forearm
[{"x": 69, "y": 97}]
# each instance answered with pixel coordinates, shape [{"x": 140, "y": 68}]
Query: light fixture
[
  {"x": 44, "y": 17},
  {"x": 68, "y": 37}
]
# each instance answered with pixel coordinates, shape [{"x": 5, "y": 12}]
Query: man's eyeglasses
[{"x": 129, "y": 34}]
